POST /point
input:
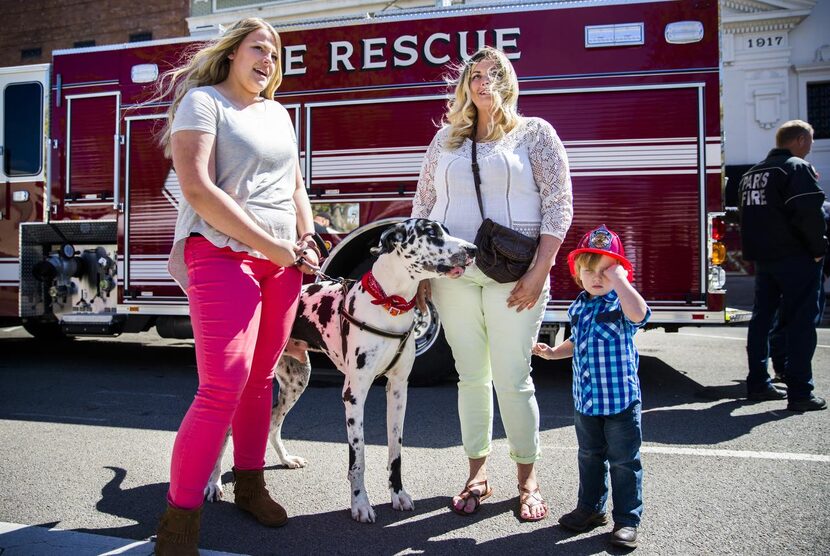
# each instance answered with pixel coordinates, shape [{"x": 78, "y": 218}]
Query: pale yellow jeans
[{"x": 491, "y": 345}]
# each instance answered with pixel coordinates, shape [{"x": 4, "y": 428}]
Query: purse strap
[{"x": 476, "y": 174}]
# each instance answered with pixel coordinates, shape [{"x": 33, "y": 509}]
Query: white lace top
[{"x": 525, "y": 183}]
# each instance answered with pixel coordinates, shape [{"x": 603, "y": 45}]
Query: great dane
[{"x": 366, "y": 331}]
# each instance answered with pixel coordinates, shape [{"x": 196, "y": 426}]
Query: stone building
[{"x": 776, "y": 67}]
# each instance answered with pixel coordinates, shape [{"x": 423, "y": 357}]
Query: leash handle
[{"x": 309, "y": 240}]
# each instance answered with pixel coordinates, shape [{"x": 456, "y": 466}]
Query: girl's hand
[
  {"x": 282, "y": 252},
  {"x": 307, "y": 258},
  {"x": 527, "y": 290},
  {"x": 424, "y": 294}
]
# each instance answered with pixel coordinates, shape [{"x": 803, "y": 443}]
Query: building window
[
  {"x": 22, "y": 129},
  {"x": 83, "y": 44},
  {"x": 31, "y": 53},
  {"x": 818, "y": 108},
  {"x": 235, "y": 4},
  {"x": 142, "y": 36}
]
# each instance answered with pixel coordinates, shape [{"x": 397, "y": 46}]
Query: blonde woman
[
  {"x": 235, "y": 248},
  {"x": 491, "y": 327}
]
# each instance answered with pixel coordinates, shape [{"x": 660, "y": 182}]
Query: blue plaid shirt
[{"x": 605, "y": 360}]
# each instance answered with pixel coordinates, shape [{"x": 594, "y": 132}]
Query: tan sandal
[
  {"x": 478, "y": 498},
  {"x": 531, "y": 499}
]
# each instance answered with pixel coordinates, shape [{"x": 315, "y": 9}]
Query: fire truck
[{"x": 88, "y": 202}]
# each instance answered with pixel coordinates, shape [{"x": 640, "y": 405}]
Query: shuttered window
[{"x": 92, "y": 147}]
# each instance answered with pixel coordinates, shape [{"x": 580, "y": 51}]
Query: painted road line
[
  {"x": 30, "y": 539},
  {"x": 731, "y": 338},
  {"x": 712, "y": 452},
  {"x": 58, "y": 417},
  {"x": 131, "y": 393}
]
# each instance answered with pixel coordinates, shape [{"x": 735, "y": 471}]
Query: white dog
[{"x": 366, "y": 332}]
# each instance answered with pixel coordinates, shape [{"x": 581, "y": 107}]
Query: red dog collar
[{"x": 395, "y": 304}]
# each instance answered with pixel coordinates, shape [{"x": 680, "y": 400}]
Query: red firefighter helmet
[{"x": 603, "y": 241}]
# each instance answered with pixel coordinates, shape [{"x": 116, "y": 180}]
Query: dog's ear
[{"x": 389, "y": 238}]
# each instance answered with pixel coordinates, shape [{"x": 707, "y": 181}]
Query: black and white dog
[{"x": 366, "y": 332}]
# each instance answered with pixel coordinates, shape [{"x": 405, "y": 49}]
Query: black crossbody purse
[{"x": 503, "y": 253}]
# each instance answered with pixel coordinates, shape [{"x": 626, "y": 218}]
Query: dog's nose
[{"x": 471, "y": 251}]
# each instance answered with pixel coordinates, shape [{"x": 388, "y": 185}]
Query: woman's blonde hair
[
  {"x": 504, "y": 90},
  {"x": 210, "y": 65}
]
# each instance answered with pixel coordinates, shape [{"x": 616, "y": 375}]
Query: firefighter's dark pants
[{"x": 791, "y": 287}]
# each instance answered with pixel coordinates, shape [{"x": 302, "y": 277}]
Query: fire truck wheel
[{"x": 45, "y": 330}]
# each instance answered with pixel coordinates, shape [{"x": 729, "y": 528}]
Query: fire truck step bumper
[{"x": 92, "y": 325}]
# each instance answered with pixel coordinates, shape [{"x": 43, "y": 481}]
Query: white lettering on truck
[{"x": 436, "y": 49}]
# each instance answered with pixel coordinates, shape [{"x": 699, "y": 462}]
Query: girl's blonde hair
[
  {"x": 210, "y": 65},
  {"x": 504, "y": 90}
]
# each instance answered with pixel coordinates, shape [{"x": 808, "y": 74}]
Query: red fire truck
[{"x": 88, "y": 202}]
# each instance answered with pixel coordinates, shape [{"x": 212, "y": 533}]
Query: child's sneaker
[
  {"x": 624, "y": 536},
  {"x": 579, "y": 520}
]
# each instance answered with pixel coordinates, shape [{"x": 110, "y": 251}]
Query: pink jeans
[{"x": 242, "y": 309}]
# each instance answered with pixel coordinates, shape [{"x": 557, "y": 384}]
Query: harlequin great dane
[{"x": 366, "y": 331}]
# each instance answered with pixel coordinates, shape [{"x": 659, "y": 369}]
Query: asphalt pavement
[{"x": 86, "y": 430}]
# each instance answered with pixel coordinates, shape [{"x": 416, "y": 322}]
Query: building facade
[
  {"x": 776, "y": 67},
  {"x": 32, "y": 30}
]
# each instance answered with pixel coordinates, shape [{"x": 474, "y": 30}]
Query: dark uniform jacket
[{"x": 780, "y": 209}]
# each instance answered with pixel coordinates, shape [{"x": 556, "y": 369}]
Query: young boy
[{"x": 606, "y": 390}]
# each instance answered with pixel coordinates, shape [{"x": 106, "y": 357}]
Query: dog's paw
[
  {"x": 401, "y": 501},
  {"x": 293, "y": 462},
  {"x": 214, "y": 491},
  {"x": 362, "y": 510}
]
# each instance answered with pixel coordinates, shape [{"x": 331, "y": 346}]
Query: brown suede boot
[
  {"x": 251, "y": 495},
  {"x": 178, "y": 533}
]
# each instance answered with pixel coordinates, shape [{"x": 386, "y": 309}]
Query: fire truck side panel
[{"x": 639, "y": 117}]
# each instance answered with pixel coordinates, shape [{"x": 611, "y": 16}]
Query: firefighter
[{"x": 784, "y": 234}]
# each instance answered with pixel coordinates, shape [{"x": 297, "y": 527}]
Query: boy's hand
[
  {"x": 616, "y": 272},
  {"x": 543, "y": 350}
]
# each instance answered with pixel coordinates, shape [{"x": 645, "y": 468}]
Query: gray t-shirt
[{"x": 256, "y": 160}]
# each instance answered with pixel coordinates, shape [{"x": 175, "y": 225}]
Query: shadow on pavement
[
  {"x": 225, "y": 528},
  {"x": 152, "y": 385}
]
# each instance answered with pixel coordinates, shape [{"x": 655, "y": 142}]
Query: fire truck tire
[
  {"x": 434, "y": 366},
  {"x": 45, "y": 330}
]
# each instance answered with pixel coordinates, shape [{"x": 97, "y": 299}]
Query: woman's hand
[
  {"x": 424, "y": 294},
  {"x": 528, "y": 288}
]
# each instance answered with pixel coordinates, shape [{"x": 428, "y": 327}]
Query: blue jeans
[
  {"x": 611, "y": 441},
  {"x": 789, "y": 288}
]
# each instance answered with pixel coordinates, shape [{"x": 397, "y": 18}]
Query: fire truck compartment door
[
  {"x": 636, "y": 159},
  {"x": 152, "y": 199},
  {"x": 23, "y": 97},
  {"x": 92, "y": 150}
]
